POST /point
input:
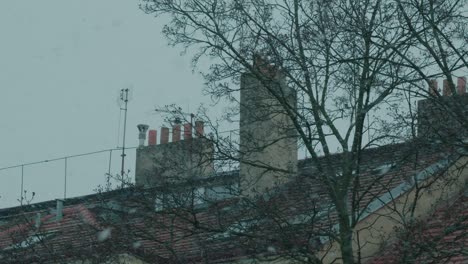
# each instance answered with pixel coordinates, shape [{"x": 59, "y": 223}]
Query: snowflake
[{"x": 104, "y": 234}]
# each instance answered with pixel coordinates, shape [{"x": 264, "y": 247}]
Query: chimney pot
[
  {"x": 164, "y": 135},
  {"x": 199, "y": 129},
  {"x": 447, "y": 91},
  {"x": 461, "y": 85},
  {"x": 433, "y": 86},
  {"x": 152, "y": 136},
  {"x": 142, "y": 135},
  {"x": 176, "y": 132},
  {"x": 187, "y": 131}
]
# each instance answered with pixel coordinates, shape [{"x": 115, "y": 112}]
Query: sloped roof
[
  {"x": 441, "y": 238},
  {"x": 293, "y": 220},
  {"x": 39, "y": 237}
]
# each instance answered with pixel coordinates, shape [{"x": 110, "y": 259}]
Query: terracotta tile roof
[
  {"x": 290, "y": 221},
  {"x": 27, "y": 240},
  {"x": 297, "y": 215}
]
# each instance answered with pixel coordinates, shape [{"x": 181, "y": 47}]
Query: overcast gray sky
[{"x": 62, "y": 64}]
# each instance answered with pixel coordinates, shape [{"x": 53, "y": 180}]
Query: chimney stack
[
  {"x": 152, "y": 136},
  {"x": 267, "y": 138},
  {"x": 438, "y": 119},
  {"x": 199, "y": 129},
  {"x": 164, "y": 135},
  {"x": 142, "y": 135},
  {"x": 176, "y": 131},
  {"x": 179, "y": 161},
  {"x": 187, "y": 131}
]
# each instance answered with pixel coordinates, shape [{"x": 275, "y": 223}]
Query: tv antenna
[
  {"x": 125, "y": 95},
  {"x": 177, "y": 112}
]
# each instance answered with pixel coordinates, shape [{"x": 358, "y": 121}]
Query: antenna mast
[{"x": 124, "y": 100}]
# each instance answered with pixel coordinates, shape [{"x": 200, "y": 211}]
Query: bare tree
[
  {"x": 332, "y": 76},
  {"x": 348, "y": 62}
]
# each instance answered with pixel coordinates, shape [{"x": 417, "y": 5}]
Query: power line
[{"x": 62, "y": 158}]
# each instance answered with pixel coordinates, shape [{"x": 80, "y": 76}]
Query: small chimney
[
  {"x": 434, "y": 119},
  {"x": 164, "y": 135},
  {"x": 461, "y": 85},
  {"x": 152, "y": 136},
  {"x": 433, "y": 87},
  {"x": 176, "y": 131},
  {"x": 199, "y": 129},
  {"x": 142, "y": 135},
  {"x": 187, "y": 131},
  {"x": 59, "y": 210},
  {"x": 446, "y": 91}
]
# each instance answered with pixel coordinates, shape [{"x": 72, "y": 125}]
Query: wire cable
[{"x": 62, "y": 158}]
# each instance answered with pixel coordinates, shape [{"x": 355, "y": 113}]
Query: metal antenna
[
  {"x": 176, "y": 112},
  {"x": 180, "y": 113},
  {"x": 162, "y": 110},
  {"x": 124, "y": 102}
]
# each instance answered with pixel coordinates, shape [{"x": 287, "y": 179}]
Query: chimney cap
[{"x": 142, "y": 127}]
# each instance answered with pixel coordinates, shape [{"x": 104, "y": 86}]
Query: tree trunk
[{"x": 346, "y": 233}]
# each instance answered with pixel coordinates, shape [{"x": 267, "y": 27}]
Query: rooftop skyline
[{"x": 63, "y": 65}]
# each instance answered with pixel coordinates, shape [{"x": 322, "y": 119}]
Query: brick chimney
[
  {"x": 176, "y": 161},
  {"x": 444, "y": 117}
]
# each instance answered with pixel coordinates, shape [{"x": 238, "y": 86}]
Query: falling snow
[
  {"x": 136, "y": 244},
  {"x": 271, "y": 249},
  {"x": 104, "y": 235}
]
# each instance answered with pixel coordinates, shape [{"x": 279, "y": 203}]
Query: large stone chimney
[
  {"x": 444, "y": 116},
  {"x": 176, "y": 161},
  {"x": 268, "y": 142}
]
